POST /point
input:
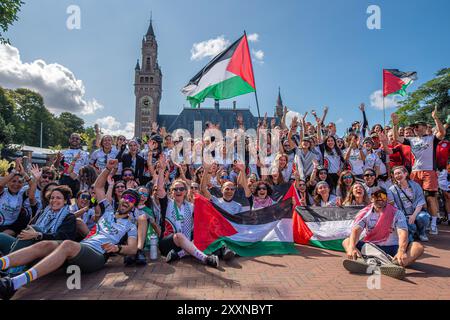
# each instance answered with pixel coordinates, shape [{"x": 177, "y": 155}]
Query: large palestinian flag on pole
[
  {"x": 396, "y": 82},
  {"x": 228, "y": 75},
  {"x": 324, "y": 227},
  {"x": 251, "y": 233}
]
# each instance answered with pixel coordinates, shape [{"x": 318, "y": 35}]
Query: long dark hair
[
  {"x": 341, "y": 185},
  {"x": 91, "y": 175},
  {"x": 324, "y": 148}
]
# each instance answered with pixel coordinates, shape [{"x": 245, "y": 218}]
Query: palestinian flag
[
  {"x": 396, "y": 82},
  {"x": 324, "y": 227},
  {"x": 228, "y": 75},
  {"x": 250, "y": 233}
]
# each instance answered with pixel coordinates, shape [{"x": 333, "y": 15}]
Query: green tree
[
  {"x": 31, "y": 112},
  {"x": 420, "y": 103},
  {"x": 8, "y": 14},
  {"x": 69, "y": 123}
]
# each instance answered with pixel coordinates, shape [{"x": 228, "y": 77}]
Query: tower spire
[
  {"x": 138, "y": 67},
  {"x": 279, "y": 100},
  {"x": 150, "y": 31}
]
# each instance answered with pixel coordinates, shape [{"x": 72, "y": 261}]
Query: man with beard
[
  {"x": 74, "y": 158},
  {"x": 387, "y": 229},
  {"x": 90, "y": 254}
]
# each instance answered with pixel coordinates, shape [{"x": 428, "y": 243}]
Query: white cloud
[
  {"x": 61, "y": 90},
  {"x": 209, "y": 48},
  {"x": 109, "y": 125},
  {"x": 254, "y": 37},
  {"x": 258, "y": 55},
  {"x": 376, "y": 100},
  {"x": 340, "y": 120}
]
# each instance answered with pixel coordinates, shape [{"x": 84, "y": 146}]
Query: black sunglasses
[
  {"x": 369, "y": 175},
  {"x": 180, "y": 189}
]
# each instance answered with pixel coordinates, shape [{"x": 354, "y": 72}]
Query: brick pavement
[{"x": 311, "y": 274}]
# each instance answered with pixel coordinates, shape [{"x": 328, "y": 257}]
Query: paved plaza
[{"x": 311, "y": 274}]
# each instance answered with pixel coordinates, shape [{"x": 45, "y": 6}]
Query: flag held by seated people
[
  {"x": 228, "y": 75},
  {"x": 251, "y": 233},
  {"x": 324, "y": 227}
]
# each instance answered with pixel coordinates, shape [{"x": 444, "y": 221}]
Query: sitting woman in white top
[{"x": 177, "y": 212}]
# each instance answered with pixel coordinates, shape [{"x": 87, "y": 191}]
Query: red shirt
[{"x": 404, "y": 151}]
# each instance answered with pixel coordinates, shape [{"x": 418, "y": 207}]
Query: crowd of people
[{"x": 83, "y": 208}]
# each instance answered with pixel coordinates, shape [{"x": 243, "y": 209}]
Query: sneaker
[
  {"x": 393, "y": 270},
  {"x": 213, "y": 261},
  {"x": 172, "y": 256},
  {"x": 129, "y": 260},
  {"x": 434, "y": 230},
  {"x": 140, "y": 258},
  {"x": 6, "y": 288},
  {"x": 3, "y": 273},
  {"x": 227, "y": 254},
  {"x": 357, "y": 266},
  {"x": 423, "y": 238}
]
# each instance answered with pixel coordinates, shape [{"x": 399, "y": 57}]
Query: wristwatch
[{"x": 39, "y": 236}]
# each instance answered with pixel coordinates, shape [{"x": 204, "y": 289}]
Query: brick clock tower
[{"x": 147, "y": 85}]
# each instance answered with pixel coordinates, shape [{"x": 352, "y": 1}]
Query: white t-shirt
[
  {"x": 356, "y": 163},
  {"x": 99, "y": 158},
  {"x": 10, "y": 205},
  {"x": 69, "y": 155},
  {"x": 423, "y": 149}
]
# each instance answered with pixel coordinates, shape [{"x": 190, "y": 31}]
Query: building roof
[
  {"x": 225, "y": 116},
  {"x": 138, "y": 67},
  {"x": 150, "y": 31}
]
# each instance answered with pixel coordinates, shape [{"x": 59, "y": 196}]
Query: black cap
[{"x": 157, "y": 138}]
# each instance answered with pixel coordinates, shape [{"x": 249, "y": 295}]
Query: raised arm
[
  {"x": 440, "y": 134},
  {"x": 160, "y": 166},
  {"x": 292, "y": 131},
  {"x": 99, "y": 185},
  {"x": 325, "y": 112},
  {"x": 242, "y": 180},
  {"x": 394, "y": 118},
  {"x": 205, "y": 180},
  {"x": 365, "y": 123}
]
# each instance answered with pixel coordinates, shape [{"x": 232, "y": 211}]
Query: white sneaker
[
  {"x": 423, "y": 238},
  {"x": 434, "y": 230}
]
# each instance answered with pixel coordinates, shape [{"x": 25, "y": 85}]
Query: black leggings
[{"x": 166, "y": 245}]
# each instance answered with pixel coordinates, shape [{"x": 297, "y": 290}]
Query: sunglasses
[
  {"x": 224, "y": 177},
  {"x": 129, "y": 198},
  {"x": 347, "y": 177},
  {"x": 380, "y": 197},
  {"x": 369, "y": 175},
  {"x": 47, "y": 176},
  {"x": 145, "y": 194},
  {"x": 323, "y": 172},
  {"x": 194, "y": 187},
  {"x": 180, "y": 189},
  {"x": 302, "y": 185}
]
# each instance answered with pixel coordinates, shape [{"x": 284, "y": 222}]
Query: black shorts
[
  {"x": 166, "y": 244},
  {"x": 88, "y": 259}
]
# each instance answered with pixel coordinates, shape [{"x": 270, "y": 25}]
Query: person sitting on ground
[
  {"x": 408, "y": 197},
  {"x": 179, "y": 214},
  {"x": 386, "y": 227},
  {"x": 89, "y": 255}
]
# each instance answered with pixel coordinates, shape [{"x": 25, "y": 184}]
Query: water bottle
[{"x": 153, "y": 247}]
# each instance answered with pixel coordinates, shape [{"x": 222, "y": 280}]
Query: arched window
[
  {"x": 148, "y": 63},
  {"x": 142, "y": 79},
  {"x": 151, "y": 79},
  {"x": 146, "y": 79}
]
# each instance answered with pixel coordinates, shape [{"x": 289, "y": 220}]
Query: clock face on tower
[{"x": 146, "y": 104}]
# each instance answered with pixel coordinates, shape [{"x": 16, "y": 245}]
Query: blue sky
[{"x": 319, "y": 52}]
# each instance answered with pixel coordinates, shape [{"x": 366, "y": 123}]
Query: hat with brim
[{"x": 419, "y": 123}]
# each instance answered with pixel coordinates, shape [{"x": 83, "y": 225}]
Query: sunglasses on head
[
  {"x": 129, "y": 198},
  {"x": 179, "y": 189}
]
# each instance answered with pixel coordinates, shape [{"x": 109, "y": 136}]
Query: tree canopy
[{"x": 8, "y": 14}]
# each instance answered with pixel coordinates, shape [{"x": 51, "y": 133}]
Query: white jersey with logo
[
  {"x": 110, "y": 229},
  {"x": 10, "y": 205},
  {"x": 69, "y": 155},
  {"x": 423, "y": 149},
  {"x": 99, "y": 158}
]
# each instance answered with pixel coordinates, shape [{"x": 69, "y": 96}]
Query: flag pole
[
  {"x": 256, "y": 94},
  {"x": 382, "y": 94}
]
